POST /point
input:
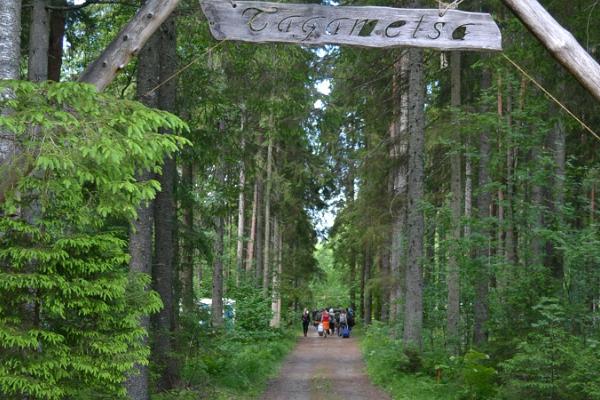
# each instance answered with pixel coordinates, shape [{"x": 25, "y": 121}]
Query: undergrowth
[
  {"x": 233, "y": 363},
  {"x": 390, "y": 368}
]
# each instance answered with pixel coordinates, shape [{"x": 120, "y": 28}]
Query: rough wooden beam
[
  {"x": 314, "y": 24},
  {"x": 560, "y": 42},
  {"x": 128, "y": 43}
]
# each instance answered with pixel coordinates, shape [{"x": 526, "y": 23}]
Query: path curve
[{"x": 323, "y": 369}]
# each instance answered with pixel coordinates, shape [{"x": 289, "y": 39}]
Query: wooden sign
[{"x": 313, "y": 24}]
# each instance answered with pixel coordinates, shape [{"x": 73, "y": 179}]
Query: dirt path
[{"x": 323, "y": 369}]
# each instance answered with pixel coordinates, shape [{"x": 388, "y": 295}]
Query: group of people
[{"x": 329, "y": 322}]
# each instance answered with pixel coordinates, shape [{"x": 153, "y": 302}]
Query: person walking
[
  {"x": 305, "y": 321},
  {"x": 343, "y": 322},
  {"x": 325, "y": 321}
]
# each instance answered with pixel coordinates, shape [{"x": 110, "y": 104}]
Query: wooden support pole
[
  {"x": 128, "y": 43},
  {"x": 560, "y": 42}
]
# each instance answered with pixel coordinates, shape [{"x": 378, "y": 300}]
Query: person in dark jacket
[{"x": 305, "y": 321}]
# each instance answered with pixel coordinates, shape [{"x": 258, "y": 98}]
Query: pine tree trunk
[
  {"x": 480, "y": 303},
  {"x": 367, "y": 295},
  {"x": 259, "y": 232},
  {"x": 267, "y": 238},
  {"x": 10, "y": 38},
  {"x": 453, "y": 277},
  {"x": 164, "y": 220},
  {"x": 217, "y": 281},
  {"x": 399, "y": 131},
  {"x": 558, "y": 146},
  {"x": 276, "y": 296},
  {"x": 10, "y": 56},
  {"x": 509, "y": 239},
  {"x": 39, "y": 39},
  {"x": 141, "y": 235},
  {"x": 239, "y": 254},
  {"x": 57, "y": 35},
  {"x": 413, "y": 313},
  {"x": 251, "y": 243},
  {"x": 384, "y": 263},
  {"x": 187, "y": 268}
]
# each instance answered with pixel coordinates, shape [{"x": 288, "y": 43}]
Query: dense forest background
[{"x": 466, "y": 227}]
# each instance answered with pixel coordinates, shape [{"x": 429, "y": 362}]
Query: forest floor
[{"x": 323, "y": 369}]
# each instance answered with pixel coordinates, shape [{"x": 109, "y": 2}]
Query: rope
[
  {"x": 536, "y": 83},
  {"x": 183, "y": 68},
  {"x": 444, "y": 7}
]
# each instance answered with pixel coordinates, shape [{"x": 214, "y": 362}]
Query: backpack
[
  {"x": 345, "y": 332},
  {"x": 343, "y": 319}
]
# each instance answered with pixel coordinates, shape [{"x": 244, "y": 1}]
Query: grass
[
  {"x": 387, "y": 368},
  {"x": 231, "y": 368}
]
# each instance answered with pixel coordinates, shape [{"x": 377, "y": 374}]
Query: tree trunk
[
  {"x": 217, "y": 282},
  {"x": 480, "y": 303},
  {"x": 558, "y": 146},
  {"x": 399, "y": 131},
  {"x": 384, "y": 263},
  {"x": 367, "y": 292},
  {"x": 187, "y": 268},
  {"x": 164, "y": 220},
  {"x": 140, "y": 238},
  {"x": 259, "y": 231},
  {"x": 239, "y": 254},
  {"x": 10, "y": 38},
  {"x": 57, "y": 35},
  {"x": 251, "y": 243},
  {"x": 413, "y": 313},
  {"x": 10, "y": 56},
  {"x": 39, "y": 39},
  {"x": 276, "y": 297},
  {"x": 128, "y": 43},
  {"x": 453, "y": 278},
  {"x": 509, "y": 239},
  {"x": 267, "y": 241},
  {"x": 560, "y": 42}
]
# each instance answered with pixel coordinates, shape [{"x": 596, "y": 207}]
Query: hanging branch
[{"x": 560, "y": 42}]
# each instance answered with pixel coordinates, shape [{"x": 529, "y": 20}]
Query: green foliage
[
  {"x": 70, "y": 309},
  {"x": 231, "y": 364},
  {"x": 479, "y": 379},
  {"x": 541, "y": 364},
  {"x": 389, "y": 367},
  {"x": 329, "y": 287},
  {"x": 253, "y": 310}
]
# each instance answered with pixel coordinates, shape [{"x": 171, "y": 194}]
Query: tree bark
[
  {"x": 128, "y": 43},
  {"x": 267, "y": 239},
  {"x": 560, "y": 42},
  {"x": 239, "y": 254},
  {"x": 187, "y": 268},
  {"x": 217, "y": 281},
  {"x": 399, "y": 133},
  {"x": 481, "y": 313},
  {"x": 165, "y": 218},
  {"x": 276, "y": 297},
  {"x": 57, "y": 34},
  {"x": 140, "y": 237},
  {"x": 10, "y": 38},
  {"x": 453, "y": 277},
  {"x": 39, "y": 40},
  {"x": 251, "y": 243},
  {"x": 413, "y": 313},
  {"x": 367, "y": 292},
  {"x": 11, "y": 166},
  {"x": 509, "y": 239}
]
